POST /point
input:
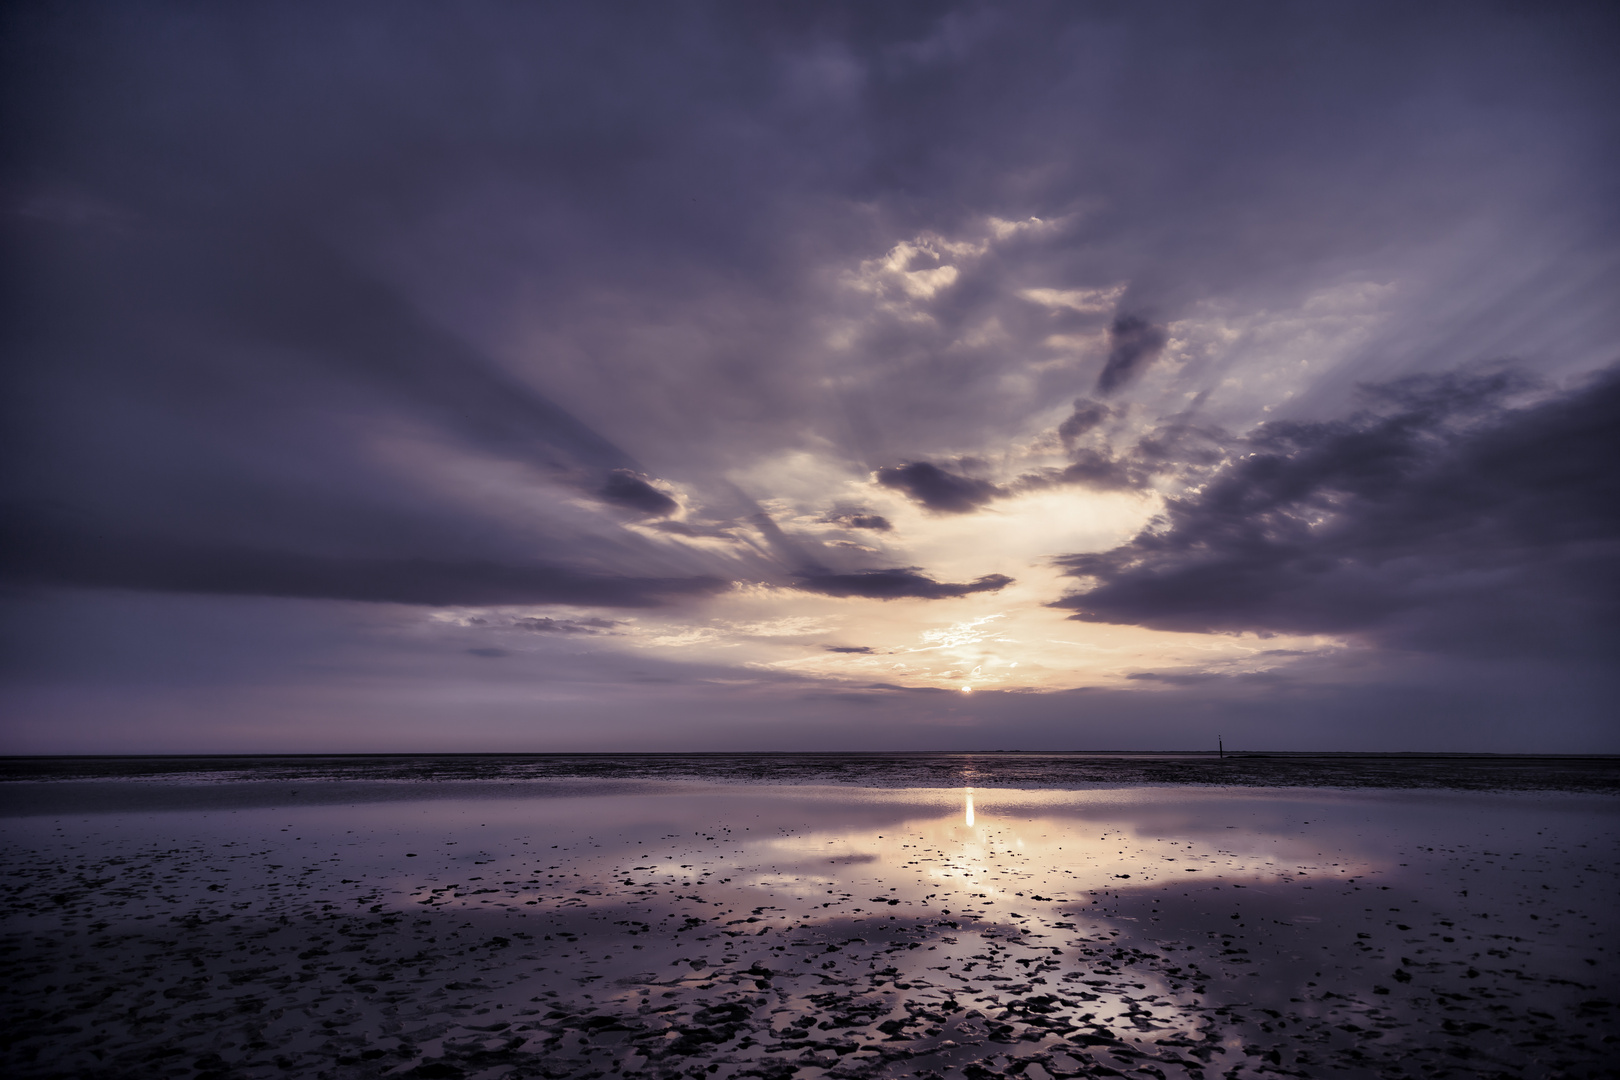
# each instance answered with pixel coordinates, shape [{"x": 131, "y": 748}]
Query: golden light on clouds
[
  {"x": 813, "y": 491},
  {"x": 1007, "y": 640}
]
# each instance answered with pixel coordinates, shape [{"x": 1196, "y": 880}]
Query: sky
[{"x": 790, "y": 376}]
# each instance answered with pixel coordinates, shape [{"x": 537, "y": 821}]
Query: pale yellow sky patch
[
  {"x": 1004, "y": 639},
  {"x": 1007, "y": 639}
]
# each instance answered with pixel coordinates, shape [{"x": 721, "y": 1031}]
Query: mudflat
[{"x": 807, "y": 916}]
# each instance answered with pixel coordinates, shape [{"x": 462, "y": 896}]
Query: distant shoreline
[
  {"x": 986, "y": 769},
  {"x": 812, "y": 753}
]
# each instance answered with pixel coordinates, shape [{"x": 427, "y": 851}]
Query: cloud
[
  {"x": 1097, "y": 469},
  {"x": 1089, "y": 301},
  {"x": 1176, "y": 678},
  {"x": 628, "y": 489},
  {"x": 545, "y": 624},
  {"x": 897, "y": 585},
  {"x": 1175, "y": 448},
  {"x": 1442, "y": 516},
  {"x": 33, "y": 553},
  {"x": 701, "y": 530},
  {"x": 1134, "y": 343},
  {"x": 862, "y": 650},
  {"x": 938, "y": 490},
  {"x": 1087, "y": 416},
  {"x": 367, "y": 313},
  {"x": 857, "y": 519}
]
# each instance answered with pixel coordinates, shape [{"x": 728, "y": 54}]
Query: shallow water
[{"x": 580, "y": 927}]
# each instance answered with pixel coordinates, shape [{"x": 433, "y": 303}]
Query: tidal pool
[{"x": 662, "y": 928}]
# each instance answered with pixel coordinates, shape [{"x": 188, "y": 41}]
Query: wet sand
[{"x": 655, "y": 927}]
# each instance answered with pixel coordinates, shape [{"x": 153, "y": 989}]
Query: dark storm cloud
[
  {"x": 1440, "y": 517},
  {"x": 220, "y": 393},
  {"x": 1087, "y": 416},
  {"x": 1104, "y": 472},
  {"x": 545, "y": 624},
  {"x": 213, "y": 341},
  {"x": 31, "y": 555},
  {"x": 897, "y": 585},
  {"x": 1172, "y": 448},
  {"x": 352, "y": 300},
  {"x": 937, "y": 489},
  {"x": 275, "y": 287},
  {"x": 1133, "y": 344},
  {"x": 1174, "y": 678},
  {"x": 249, "y": 239},
  {"x": 628, "y": 489},
  {"x": 858, "y": 519}
]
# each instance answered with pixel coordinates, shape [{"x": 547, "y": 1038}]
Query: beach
[{"x": 276, "y": 919}]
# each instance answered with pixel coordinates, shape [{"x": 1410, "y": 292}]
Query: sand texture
[{"x": 661, "y": 928}]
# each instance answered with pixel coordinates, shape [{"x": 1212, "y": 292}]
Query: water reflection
[{"x": 757, "y": 931}]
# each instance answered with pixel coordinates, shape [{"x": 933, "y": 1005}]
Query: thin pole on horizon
[{"x": 1220, "y": 747}]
